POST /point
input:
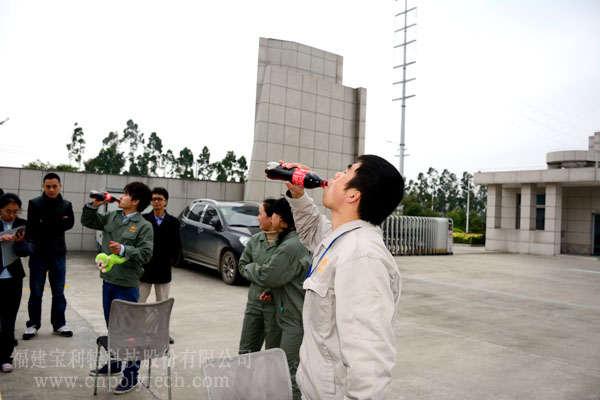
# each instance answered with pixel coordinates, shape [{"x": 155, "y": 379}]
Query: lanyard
[{"x": 311, "y": 269}]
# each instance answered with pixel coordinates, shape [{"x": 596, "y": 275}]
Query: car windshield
[{"x": 240, "y": 215}]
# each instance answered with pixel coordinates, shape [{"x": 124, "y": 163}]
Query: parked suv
[{"x": 214, "y": 234}]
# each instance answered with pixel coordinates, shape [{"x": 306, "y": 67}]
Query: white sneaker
[
  {"x": 63, "y": 331},
  {"x": 7, "y": 367},
  {"x": 29, "y": 332}
]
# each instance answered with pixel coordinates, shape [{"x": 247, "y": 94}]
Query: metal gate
[{"x": 417, "y": 236}]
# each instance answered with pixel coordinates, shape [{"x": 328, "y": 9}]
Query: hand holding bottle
[
  {"x": 297, "y": 174},
  {"x": 102, "y": 197}
]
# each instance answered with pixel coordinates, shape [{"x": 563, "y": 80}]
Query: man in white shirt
[{"x": 353, "y": 286}]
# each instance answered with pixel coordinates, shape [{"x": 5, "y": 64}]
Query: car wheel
[{"x": 228, "y": 268}]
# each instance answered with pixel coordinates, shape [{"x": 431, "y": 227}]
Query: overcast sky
[{"x": 498, "y": 83}]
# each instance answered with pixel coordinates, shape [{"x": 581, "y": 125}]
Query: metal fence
[{"x": 413, "y": 236}]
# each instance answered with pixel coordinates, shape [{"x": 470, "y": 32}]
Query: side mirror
[{"x": 215, "y": 222}]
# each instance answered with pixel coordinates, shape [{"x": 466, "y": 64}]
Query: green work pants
[
  {"x": 290, "y": 343},
  {"x": 259, "y": 325}
]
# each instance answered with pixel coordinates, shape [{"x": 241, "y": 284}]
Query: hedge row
[{"x": 468, "y": 238}]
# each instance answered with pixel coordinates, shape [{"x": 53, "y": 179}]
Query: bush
[
  {"x": 468, "y": 238},
  {"x": 457, "y": 230}
]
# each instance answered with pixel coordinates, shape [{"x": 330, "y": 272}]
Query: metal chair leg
[
  {"x": 149, "y": 372},
  {"x": 97, "y": 365},
  {"x": 170, "y": 383},
  {"x": 109, "y": 371}
]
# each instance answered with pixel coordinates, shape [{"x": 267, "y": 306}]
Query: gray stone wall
[
  {"x": 304, "y": 114},
  {"x": 27, "y": 184}
]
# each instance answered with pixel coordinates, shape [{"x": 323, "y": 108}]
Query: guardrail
[{"x": 417, "y": 236}]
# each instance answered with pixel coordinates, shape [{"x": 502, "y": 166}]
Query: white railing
[{"x": 412, "y": 236}]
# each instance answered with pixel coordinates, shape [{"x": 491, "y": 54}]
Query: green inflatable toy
[{"x": 105, "y": 262}]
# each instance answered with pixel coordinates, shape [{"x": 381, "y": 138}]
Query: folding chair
[
  {"x": 136, "y": 332},
  {"x": 252, "y": 376}
]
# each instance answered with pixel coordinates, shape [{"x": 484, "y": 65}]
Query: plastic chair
[
  {"x": 252, "y": 376},
  {"x": 136, "y": 332}
]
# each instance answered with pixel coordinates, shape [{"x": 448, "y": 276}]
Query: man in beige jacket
[{"x": 353, "y": 285}]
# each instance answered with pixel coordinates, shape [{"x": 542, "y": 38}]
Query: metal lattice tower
[{"x": 404, "y": 27}]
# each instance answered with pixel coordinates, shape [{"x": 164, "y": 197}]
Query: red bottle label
[{"x": 298, "y": 177}]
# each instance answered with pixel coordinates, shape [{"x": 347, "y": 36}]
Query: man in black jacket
[
  {"x": 167, "y": 246},
  {"x": 48, "y": 217}
]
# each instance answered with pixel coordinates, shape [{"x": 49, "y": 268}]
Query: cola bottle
[
  {"x": 103, "y": 196},
  {"x": 300, "y": 177}
]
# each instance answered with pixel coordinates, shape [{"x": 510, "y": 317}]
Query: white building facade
[{"x": 546, "y": 212}]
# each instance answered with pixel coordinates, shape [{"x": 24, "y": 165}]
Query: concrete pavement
[{"x": 475, "y": 325}]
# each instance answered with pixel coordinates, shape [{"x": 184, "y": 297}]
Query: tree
[
  {"x": 66, "y": 167},
  {"x": 39, "y": 164},
  {"x": 434, "y": 194},
  {"x": 185, "y": 164},
  {"x": 220, "y": 171},
  {"x": 77, "y": 146},
  {"x": 204, "y": 168},
  {"x": 231, "y": 167},
  {"x": 154, "y": 150},
  {"x": 413, "y": 206},
  {"x": 447, "y": 192},
  {"x": 134, "y": 138},
  {"x": 241, "y": 169},
  {"x": 169, "y": 164},
  {"x": 109, "y": 160}
]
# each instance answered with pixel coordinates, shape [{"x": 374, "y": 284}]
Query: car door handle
[{"x": 200, "y": 230}]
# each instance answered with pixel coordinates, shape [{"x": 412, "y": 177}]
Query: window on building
[
  {"x": 540, "y": 211},
  {"x": 518, "y": 213}
]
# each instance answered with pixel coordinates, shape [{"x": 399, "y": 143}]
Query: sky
[{"x": 498, "y": 83}]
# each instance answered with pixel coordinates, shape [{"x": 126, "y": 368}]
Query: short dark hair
[
  {"x": 268, "y": 206},
  {"x": 51, "y": 175},
  {"x": 8, "y": 198},
  {"x": 381, "y": 188},
  {"x": 283, "y": 209},
  {"x": 139, "y": 191},
  {"x": 162, "y": 191}
]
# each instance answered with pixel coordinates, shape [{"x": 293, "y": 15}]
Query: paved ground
[{"x": 475, "y": 325}]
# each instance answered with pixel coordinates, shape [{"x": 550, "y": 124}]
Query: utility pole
[
  {"x": 404, "y": 44},
  {"x": 468, "y": 198}
]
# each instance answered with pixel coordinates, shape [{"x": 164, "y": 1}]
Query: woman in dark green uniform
[
  {"x": 284, "y": 273},
  {"x": 259, "y": 317}
]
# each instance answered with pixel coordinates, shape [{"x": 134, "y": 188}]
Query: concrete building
[
  {"x": 304, "y": 114},
  {"x": 548, "y": 212}
]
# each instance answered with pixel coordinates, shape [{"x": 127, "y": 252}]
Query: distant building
[{"x": 547, "y": 212}]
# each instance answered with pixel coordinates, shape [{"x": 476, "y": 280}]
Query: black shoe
[
  {"x": 30, "y": 332},
  {"x": 115, "y": 370},
  {"x": 63, "y": 331},
  {"x": 171, "y": 341},
  {"x": 126, "y": 385}
]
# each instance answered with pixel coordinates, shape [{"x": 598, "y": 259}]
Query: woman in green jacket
[
  {"x": 259, "y": 318},
  {"x": 284, "y": 273}
]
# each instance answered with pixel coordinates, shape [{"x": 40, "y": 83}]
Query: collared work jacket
[
  {"x": 136, "y": 234},
  {"x": 349, "y": 349}
]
